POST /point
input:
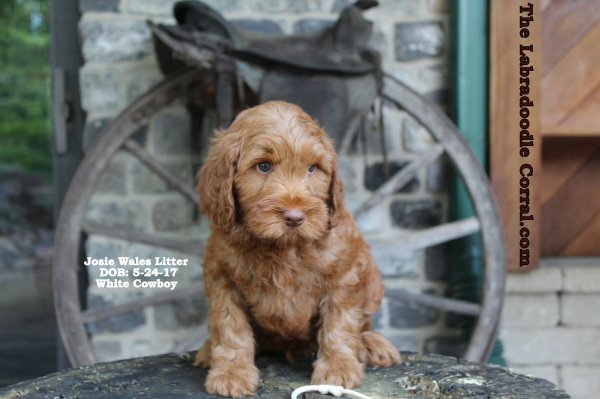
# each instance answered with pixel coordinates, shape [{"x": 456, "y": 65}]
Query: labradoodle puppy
[{"x": 286, "y": 268}]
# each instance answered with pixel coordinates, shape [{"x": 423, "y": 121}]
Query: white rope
[{"x": 325, "y": 389}]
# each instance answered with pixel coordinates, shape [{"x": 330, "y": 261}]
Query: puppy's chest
[{"x": 283, "y": 298}]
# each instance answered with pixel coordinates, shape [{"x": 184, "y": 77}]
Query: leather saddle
[{"x": 332, "y": 74}]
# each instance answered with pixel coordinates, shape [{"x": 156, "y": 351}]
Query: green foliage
[{"x": 25, "y": 131}]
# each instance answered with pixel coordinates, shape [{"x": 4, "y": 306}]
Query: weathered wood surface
[
  {"x": 173, "y": 377},
  {"x": 505, "y": 159}
]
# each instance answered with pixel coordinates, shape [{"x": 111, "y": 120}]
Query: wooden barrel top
[{"x": 172, "y": 377}]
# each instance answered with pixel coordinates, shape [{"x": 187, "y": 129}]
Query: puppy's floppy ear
[
  {"x": 215, "y": 181},
  {"x": 336, "y": 187}
]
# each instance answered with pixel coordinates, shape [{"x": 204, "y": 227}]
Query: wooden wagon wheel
[{"x": 188, "y": 83}]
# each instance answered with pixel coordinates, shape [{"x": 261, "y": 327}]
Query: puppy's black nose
[{"x": 294, "y": 217}]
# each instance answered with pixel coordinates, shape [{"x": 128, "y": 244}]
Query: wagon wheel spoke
[
  {"x": 400, "y": 179},
  {"x": 189, "y": 247},
  {"x": 431, "y": 236},
  {"x": 108, "y": 311},
  {"x": 198, "y": 335},
  {"x": 436, "y": 302},
  {"x": 350, "y": 134},
  {"x": 150, "y": 161}
]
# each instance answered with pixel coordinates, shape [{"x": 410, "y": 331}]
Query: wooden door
[
  {"x": 505, "y": 119},
  {"x": 570, "y": 128},
  {"x": 566, "y": 186}
]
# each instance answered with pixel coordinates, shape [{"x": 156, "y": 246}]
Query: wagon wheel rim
[
  {"x": 484, "y": 204},
  {"x": 71, "y": 319},
  {"x": 69, "y": 228}
]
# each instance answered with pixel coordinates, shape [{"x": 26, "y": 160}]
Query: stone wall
[
  {"x": 412, "y": 36},
  {"x": 551, "y": 324}
]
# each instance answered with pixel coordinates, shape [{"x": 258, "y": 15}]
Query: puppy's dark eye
[
  {"x": 312, "y": 168},
  {"x": 264, "y": 167}
]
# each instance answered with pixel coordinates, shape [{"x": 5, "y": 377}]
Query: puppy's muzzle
[{"x": 293, "y": 217}]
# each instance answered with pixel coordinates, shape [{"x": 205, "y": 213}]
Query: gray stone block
[
  {"x": 393, "y": 262},
  {"x": 381, "y": 35},
  {"x": 416, "y": 40},
  {"x": 115, "y": 39},
  {"x": 152, "y": 252},
  {"x": 165, "y": 7},
  {"x": 107, "y": 351},
  {"x": 375, "y": 177},
  {"x": 440, "y": 97},
  {"x": 126, "y": 215},
  {"x": 171, "y": 133},
  {"x": 404, "y": 342},
  {"x": 140, "y": 348},
  {"x": 139, "y": 79},
  {"x": 438, "y": 176},
  {"x": 349, "y": 175},
  {"x": 311, "y": 25},
  {"x": 436, "y": 75},
  {"x": 371, "y": 136},
  {"x": 416, "y": 137},
  {"x": 195, "y": 271},
  {"x": 172, "y": 214},
  {"x": 99, "y": 5},
  {"x": 120, "y": 323},
  {"x": 9, "y": 254},
  {"x": 92, "y": 130},
  {"x": 437, "y": 262},
  {"x": 395, "y": 7},
  {"x": 226, "y": 5},
  {"x": 401, "y": 8},
  {"x": 376, "y": 320},
  {"x": 145, "y": 181},
  {"x": 98, "y": 248},
  {"x": 374, "y": 220},
  {"x": 439, "y": 6},
  {"x": 448, "y": 346},
  {"x": 100, "y": 89},
  {"x": 406, "y": 315},
  {"x": 181, "y": 314},
  {"x": 416, "y": 214},
  {"x": 339, "y": 5},
  {"x": 266, "y": 26},
  {"x": 280, "y": 6},
  {"x": 404, "y": 75},
  {"x": 113, "y": 179},
  {"x": 453, "y": 320}
]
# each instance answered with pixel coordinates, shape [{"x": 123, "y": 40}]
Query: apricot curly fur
[{"x": 298, "y": 290}]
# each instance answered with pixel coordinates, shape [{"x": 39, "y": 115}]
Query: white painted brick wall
[
  {"x": 556, "y": 345},
  {"x": 582, "y": 278},
  {"x": 543, "y": 280},
  {"x": 580, "y": 310},
  {"x": 530, "y": 310},
  {"x": 551, "y": 324},
  {"x": 582, "y": 382}
]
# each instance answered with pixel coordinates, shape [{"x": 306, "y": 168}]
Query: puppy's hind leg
[
  {"x": 203, "y": 355},
  {"x": 378, "y": 350}
]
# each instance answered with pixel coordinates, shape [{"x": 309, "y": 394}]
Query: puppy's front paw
[
  {"x": 203, "y": 356},
  {"x": 379, "y": 351},
  {"x": 347, "y": 372},
  {"x": 233, "y": 380}
]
